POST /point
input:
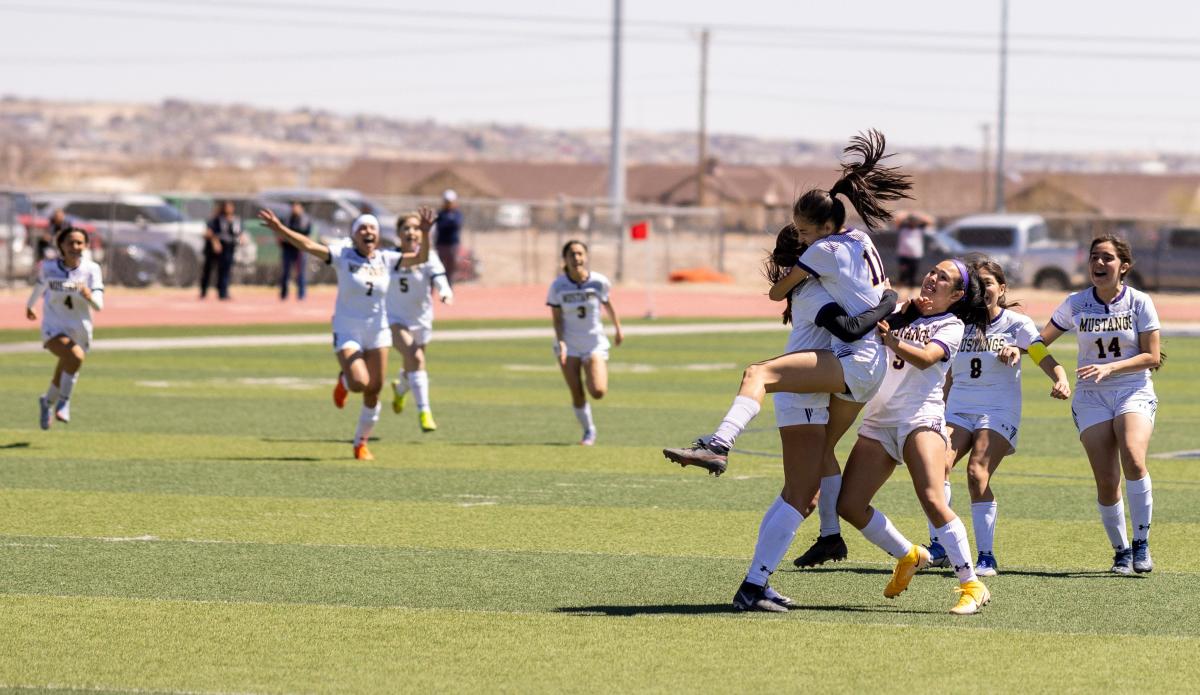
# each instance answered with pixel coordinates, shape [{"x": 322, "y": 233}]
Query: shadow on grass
[
  {"x": 850, "y": 569},
  {"x": 15, "y": 445},
  {"x": 723, "y": 608},
  {"x": 491, "y": 444},
  {"x": 266, "y": 458}
]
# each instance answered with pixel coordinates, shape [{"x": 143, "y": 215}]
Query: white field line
[{"x": 114, "y": 688}]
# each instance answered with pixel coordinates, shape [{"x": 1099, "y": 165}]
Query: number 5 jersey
[{"x": 1108, "y": 332}]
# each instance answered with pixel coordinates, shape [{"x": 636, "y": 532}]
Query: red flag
[{"x": 640, "y": 231}]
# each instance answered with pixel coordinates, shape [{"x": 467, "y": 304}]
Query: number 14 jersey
[
  {"x": 982, "y": 383},
  {"x": 1108, "y": 332}
]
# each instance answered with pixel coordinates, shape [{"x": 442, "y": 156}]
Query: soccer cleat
[
  {"x": 1142, "y": 563},
  {"x": 398, "y": 397},
  {"x": 340, "y": 392},
  {"x": 937, "y": 555},
  {"x": 972, "y": 596},
  {"x": 44, "y": 415},
  {"x": 699, "y": 454},
  {"x": 777, "y": 598},
  {"x": 362, "y": 453},
  {"x": 825, "y": 549},
  {"x": 589, "y": 438},
  {"x": 427, "y": 423},
  {"x": 985, "y": 566},
  {"x": 62, "y": 411},
  {"x": 917, "y": 558},
  {"x": 1123, "y": 561},
  {"x": 752, "y": 597}
]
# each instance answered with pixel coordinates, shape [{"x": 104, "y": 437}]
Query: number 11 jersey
[
  {"x": 982, "y": 383},
  {"x": 1108, "y": 332}
]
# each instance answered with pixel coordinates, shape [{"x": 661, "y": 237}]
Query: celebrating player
[
  {"x": 575, "y": 299},
  {"x": 845, "y": 262},
  {"x": 360, "y": 333},
  {"x": 410, "y": 316},
  {"x": 71, "y": 287},
  {"x": 983, "y": 407},
  {"x": 1114, "y": 405},
  {"x": 905, "y": 423}
]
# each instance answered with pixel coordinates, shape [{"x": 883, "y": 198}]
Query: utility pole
[
  {"x": 1001, "y": 117},
  {"x": 702, "y": 144},
  {"x": 984, "y": 158},
  {"x": 616, "y": 159}
]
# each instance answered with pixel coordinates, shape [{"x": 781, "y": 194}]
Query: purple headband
[{"x": 962, "y": 272}]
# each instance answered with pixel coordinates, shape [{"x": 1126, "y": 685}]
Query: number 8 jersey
[
  {"x": 580, "y": 303},
  {"x": 1108, "y": 332},
  {"x": 982, "y": 383}
]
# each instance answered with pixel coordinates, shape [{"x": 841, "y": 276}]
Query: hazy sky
[{"x": 1082, "y": 75}]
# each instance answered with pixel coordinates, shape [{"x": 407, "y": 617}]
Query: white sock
[
  {"x": 67, "y": 384},
  {"x": 831, "y": 487},
  {"x": 1113, "y": 518},
  {"x": 584, "y": 416},
  {"x": 1141, "y": 505},
  {"x": 52, "y": 392},
  {"x": 983, "y": 518},
  {"x": 775, "y": 535},
  {"x": 934, "y": 537},
  {"x": 954, "y": 539},
  {"x": 879, "y": 530},
  {"x": 402, "y": 382},
  {"x": 740, "y": 414},
  {"x": 366, "y": 422},
  {"x": 419, "y": 382}
]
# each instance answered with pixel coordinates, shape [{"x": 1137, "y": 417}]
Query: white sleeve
[
  {"x": 39, "y": 288},
  {"x": 1147, "y": 316},
  {"x": 552, "y": 298},
  {"x": 606, "y": 287},
  {"x": 1062, "y": 316},
  {"x": 949, "y": 335},
  {"x": 1027, "y": 333},
  {"x": 820, "y": 259},
  {"x": 96, "y": 285}
]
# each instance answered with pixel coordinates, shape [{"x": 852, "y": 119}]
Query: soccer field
[{"x": 201, "y": 526}]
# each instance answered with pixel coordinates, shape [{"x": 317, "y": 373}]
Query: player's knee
[{"x": 598, "y": 392}]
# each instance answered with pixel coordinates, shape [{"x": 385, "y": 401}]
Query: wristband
[{"x": 1038, "y": 352}]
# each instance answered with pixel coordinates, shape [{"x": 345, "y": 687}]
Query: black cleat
[
  {"x": 752, "y": 597},
  {"x": 825, "y": 549},
  {"x": 699, "y": 454}
]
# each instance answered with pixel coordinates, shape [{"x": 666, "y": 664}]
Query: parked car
[
  {"x": 1022, "y": 244},
  {"x": 1168, "y": 261},
  {"x": 335, "y": 208},
  {"x": 16, "y": 257},
  {"x": 938, "y": 247}
]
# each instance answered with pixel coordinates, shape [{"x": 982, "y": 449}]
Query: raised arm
[
  {"x": 427, "y": 217},
  {"x": 300, "y": 241},
  {"x": 832, "y": 317}
]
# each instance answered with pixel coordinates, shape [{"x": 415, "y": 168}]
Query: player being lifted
[
  {"x": 983, "y": 406},
  {"x": 410, "y": 317},
  {"x": 575, "y": 298},
  {"x": 845, "y": 262},
  {"x": 360, "y": 333},
  {"x": 1114, "y": 405},
  {"x": 70, "y": 288},
  {"x": 905, "y": 423}
]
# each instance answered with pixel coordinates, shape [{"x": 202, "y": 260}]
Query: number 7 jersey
[{"x": 1108, "y": 332}]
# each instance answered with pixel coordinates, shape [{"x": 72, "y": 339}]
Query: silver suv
[{"x": 1022, "y": 245}]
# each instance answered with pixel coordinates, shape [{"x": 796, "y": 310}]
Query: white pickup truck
[{"x": 1021, "y": 244}]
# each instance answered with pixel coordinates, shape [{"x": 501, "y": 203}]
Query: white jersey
[
  {"x": 580, "y": 304},
  {"x": 1108, "y": 332},
  {"x": 983, "y": 383},
  {"x": 848, "y": 267},
  {"x": 62, "y": 305},
  {"x": 807, "y": 299},
  {"x": 409, "y": 297},
  {"x": 908, "y": 393},
  {"x": 362, "y": 283}
]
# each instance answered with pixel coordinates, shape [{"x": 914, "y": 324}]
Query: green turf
[{"x": 200, "y": 527}]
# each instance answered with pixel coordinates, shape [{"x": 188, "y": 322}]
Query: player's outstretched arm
[
  {"x": 300, "y": 241},
  {"x": 832, "y": 317},
  {"x": 612, "y": 316}
]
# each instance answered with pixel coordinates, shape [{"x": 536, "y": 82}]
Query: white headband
[{"x": 363, "y": 220}]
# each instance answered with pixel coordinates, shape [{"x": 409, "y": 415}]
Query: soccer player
[
  {"x": 801, "y": 419},
  {"x": 1118, "y": 332},
  {"x": 846, "y": 263},
  {"x": 360, "y": 333},
  {"x": 983, "y": 406},
  {"x": 905, "y": 423},
  {"x": 575, "y": 298},
  {"x": 70, "y": 288},
  {"x": 410, "y": 317}
]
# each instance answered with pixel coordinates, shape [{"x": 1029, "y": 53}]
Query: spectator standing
[
  {"x": 449, "y": 229},
  {"x": 298, "y": 221},
  {"x": 45, "y": 241},
  {"x": 910, "y": 247},
  {"x": 220, "y": 240}
]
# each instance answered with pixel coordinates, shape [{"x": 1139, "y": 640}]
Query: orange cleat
[
  {"x": 340, "y": 392},
  {"x": 362, "y": 453}
]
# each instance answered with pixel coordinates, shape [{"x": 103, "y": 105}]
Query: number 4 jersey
[
  {"x": 1108, "y": 332},
  {"x": 982, "y": 383},
  {"x": 580, "y": 303}
]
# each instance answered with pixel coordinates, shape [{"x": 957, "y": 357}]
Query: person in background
[
  {"x": 449, "y": 229},
  {"x": 221, "y": 238},
  {"x": 910, "y": 246},
  {"x": 290, "y": 256},
  {"x": 57, "y": 224}
]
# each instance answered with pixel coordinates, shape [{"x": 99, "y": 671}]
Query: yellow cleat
[
  {"x": 397, "y": 398},
  {"x": 427, "y": 423},
  {"x": 362, "y": 453},
  {"x": 972, "y": 596},
  {"x": 915, "y": 560}
]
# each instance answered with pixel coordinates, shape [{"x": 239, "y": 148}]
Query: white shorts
[
  {"x": 1094, "y": 406},
  {"x": 1000, "y": 422},
  {"x": 893, "y": 438},
  {"x": 80, "y": 332},
  {"x": 801, "y": 409},
  {"x": 863, "y": 368},
  {"x": 364, "y": 336},
  {"x": 421, "y": 334},
  {"x": 593, "y": 350}
]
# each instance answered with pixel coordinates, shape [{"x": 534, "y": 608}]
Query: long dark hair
[
  {"x": 865, "y": 183},
  {"x": 567, "y": 248},
  {"x": 971, "y": 308},
  {"x": 788, "y": 249},
  {"x": 991, "y": 267}
]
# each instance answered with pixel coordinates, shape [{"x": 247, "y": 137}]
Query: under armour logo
[
  {"x": 765, "y": 570},
  {"x": 960, "y": 568},
  {"x": 1143, "y": 527}
]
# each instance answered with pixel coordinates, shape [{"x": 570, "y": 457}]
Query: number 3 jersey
[
  {"x": 580, "y": 303},
  {"x": 908, "y": 393},
  {"x": 1108, "y": 332},
  {"x": 362, "y": 284},
  {"x": 982, "y": 383}
]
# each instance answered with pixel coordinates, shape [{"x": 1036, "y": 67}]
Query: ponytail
[
  {"x": 971, "y": 308},
  {"x": 865, "y": 183}
]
